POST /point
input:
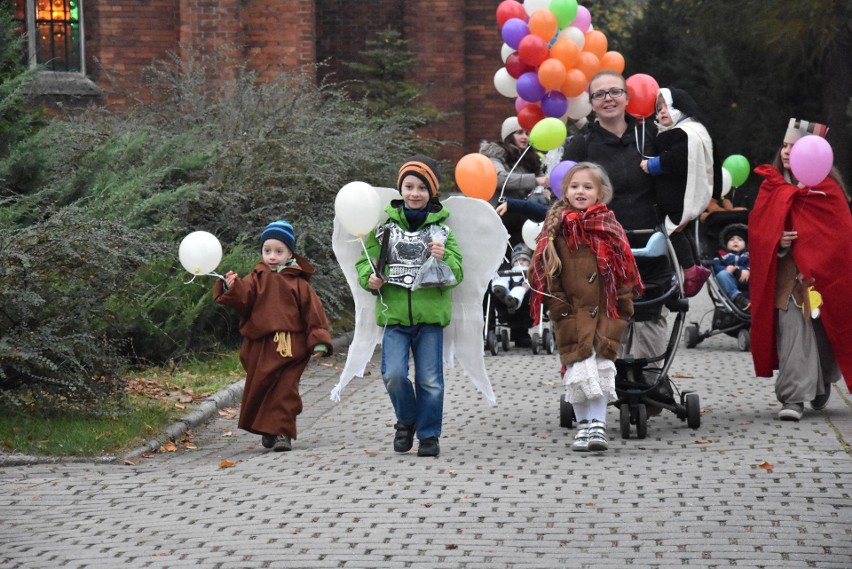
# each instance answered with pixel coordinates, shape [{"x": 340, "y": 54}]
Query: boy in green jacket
[{"x": 413, "y": 316}]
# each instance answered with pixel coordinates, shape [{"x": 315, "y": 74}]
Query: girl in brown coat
[
  {"x": 586, "y": 274},
  {"x": 283, "y": 323}
]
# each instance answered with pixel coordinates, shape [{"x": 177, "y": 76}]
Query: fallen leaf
[
  {"x": 371, "y": 452},
  {"x": 706, "y": 410},
  {"x": 681, "y": 375},
  {"x": 148, "y": 455},
  {"x": 149, "y": 429},
  {"x": 294, "y": 531},
  {"x": 169, "y": 447},
  {"x": 538, "y": 448},
  {"x": 589, "y": 504},
  {"x": 228, "y": 434},
  {"x": 185, "y": 399},
  {"x": 745, "y": 422},
  {"x": 129, "y": 463},
  {"x": 426, "y": 504},
  {"x": 179, "y": 406},
  {"x": 703, "y": 441},
  {"x": 327, "y": 365},
  {"x": 227, "y": 464},
  {"x": 228, "y": 413},
  {"x": 452, "y": 546},
  {"x": 451, "y": 472},
  {"x": 766, "y": 466},
  {"x": 190, "y": 446},
  {"x": 161, "y": 554}
]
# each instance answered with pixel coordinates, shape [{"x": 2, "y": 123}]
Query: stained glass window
[{"x": 53, "y": 32}]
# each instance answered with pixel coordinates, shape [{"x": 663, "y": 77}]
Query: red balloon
[
  {"x": 533, "y": 50},
  {"x": 642, "y": 90},
  {"x": 529, "y": 115},
  {"x": 516, "y": 67},
  {"x": 509, "y": 9}
]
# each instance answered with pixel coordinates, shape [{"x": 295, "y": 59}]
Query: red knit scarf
[{"x": 597, "y": 228}]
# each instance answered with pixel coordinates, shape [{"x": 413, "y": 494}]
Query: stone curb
[{"x": 206, "y": 410}]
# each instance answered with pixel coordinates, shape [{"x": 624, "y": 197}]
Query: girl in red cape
[{"x": 800, "y": 240}]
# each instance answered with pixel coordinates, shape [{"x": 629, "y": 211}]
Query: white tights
[{"x": 590, "y": 409}]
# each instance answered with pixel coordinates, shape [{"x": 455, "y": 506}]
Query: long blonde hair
[{"x": 550, "y": 229}]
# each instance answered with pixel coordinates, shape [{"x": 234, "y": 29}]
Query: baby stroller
[
  {"x": 727, "y": 317},
  {"x": 504, "y": 326},
  {"x": 643, "y": 383}
]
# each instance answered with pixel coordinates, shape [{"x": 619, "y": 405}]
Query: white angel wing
[
  {"x": 347, "y": 249},
  {"x": 481, "y": 237}
]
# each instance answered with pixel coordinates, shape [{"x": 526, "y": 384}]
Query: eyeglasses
[{"x": 613, "y": 93}]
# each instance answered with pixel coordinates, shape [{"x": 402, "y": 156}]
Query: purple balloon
[
  {"x": 558, "y": 174},
  {"x": 554, "y": 104},
  {"x": 811, "y": 159},
  {"x": 529, "y": 87},
  {"x": 513, "y": 31}
]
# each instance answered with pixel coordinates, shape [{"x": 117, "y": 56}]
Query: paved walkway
[{"x": 744, "y": 490}]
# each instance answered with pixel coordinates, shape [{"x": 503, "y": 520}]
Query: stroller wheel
[
  {"x": 491, "y": 341},
  {"x": 566, "y": 413},
  {"x": 548, "y": 341},
  {"x": 691, "y": 336},
  {"x": 693, "y": 411},
  {"x": 744, "y": 340},
  {"x": 504, "y": 340},
  {"x": 535, "y": 340},
  {"x": 624, "y": 420},
  {"x": 641, "y": 421}
]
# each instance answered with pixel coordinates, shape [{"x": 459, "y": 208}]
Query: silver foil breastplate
[{"x": 407, "y": 251}]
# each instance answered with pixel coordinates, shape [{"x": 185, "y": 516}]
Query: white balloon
[
  {"x": 727, "y": 180},
  {"x": 505, "y": 84},
  {"x": 532, "y": 5},
  {"x": 358, "y": 208},
  {"x": 579, "y": 106},
  {"x": 573, "y": 34},
  {"x": 530, "y": 232},
  {"x": 200, "y": 253},
  {"x": 505, "y": 52}
]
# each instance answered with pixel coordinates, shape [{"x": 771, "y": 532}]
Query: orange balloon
[
  {"x": 476, "y": 176},
  {"x": 543, "y": 24},
  {"x": 588, "y": 63},
  {"x": 612, "y": 61},
  {"x": 595, "y": 43},
  {"x": 574, "y": 84},
  {"x": 565, "y": 51},
  {"x": 551, "y": 74}
]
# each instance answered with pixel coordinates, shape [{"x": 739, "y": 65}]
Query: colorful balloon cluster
[{"x": 550, "y": 53}]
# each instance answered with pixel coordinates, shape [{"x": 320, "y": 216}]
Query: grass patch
[
  {"x": 84, "y": 434},
  {"x": 155, "y": 398}
]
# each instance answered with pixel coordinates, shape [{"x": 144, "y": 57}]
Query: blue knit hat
[{"x": 281, "y": 230}]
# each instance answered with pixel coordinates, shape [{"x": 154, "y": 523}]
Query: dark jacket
[{"x": 633, "y": 189}]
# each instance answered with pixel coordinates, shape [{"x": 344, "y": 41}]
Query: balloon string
[
  {"x": 506, "y": 181},
  {"x": 636, "y": 138}
]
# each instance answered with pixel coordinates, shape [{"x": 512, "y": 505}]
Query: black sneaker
[
  {"x": 742, "y": 302},
  {"x": 429, "y": 447},
  {"x": 820, "y": 401},
  {"x": 268, "y": 441},
  {"x": 404, "y": 438}
]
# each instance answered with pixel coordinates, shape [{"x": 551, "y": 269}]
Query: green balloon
[
  {"x": 737, "y": 165},
  {"x": 564, "y": 10},
  {"x": 548, "y": 134}
]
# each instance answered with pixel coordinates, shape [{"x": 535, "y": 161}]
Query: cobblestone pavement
[{"x": 743, "y": 490}]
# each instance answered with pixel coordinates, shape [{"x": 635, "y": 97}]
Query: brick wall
[{"x": 457, "y": 44}]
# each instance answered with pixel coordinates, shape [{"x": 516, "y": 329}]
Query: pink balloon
[
  {"x": 583, "y": 19},
  {"x": 811, "y": 159},
  {"x": 519, "y": 104}
]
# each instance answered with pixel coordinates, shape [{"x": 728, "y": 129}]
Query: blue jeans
[
  {"x": 420, "y": 404},
  {"x": 729, "y": 284}
]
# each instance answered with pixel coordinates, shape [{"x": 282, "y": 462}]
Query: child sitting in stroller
[
  {"x": 732, "y": 269},
  {"x": 512, "y": 289}
]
